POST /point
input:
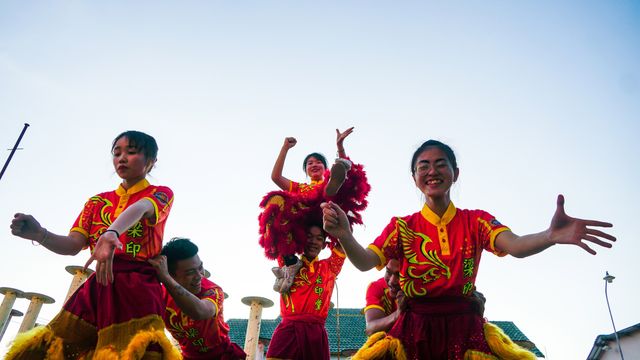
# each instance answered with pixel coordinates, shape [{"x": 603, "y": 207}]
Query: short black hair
[
  {"x": 178, "y": 249},
  {"x": 316, "y": 155},
  {"x": 446, "y": 149},
  {"x": 140, "y": 141}
]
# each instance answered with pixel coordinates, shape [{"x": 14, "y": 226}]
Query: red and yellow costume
[
  {"x": 285, "y": 213},
  {"x": 379, "y": 297},
  {"x": 124, "y": 319},
  {"x": 202, "y": 339},
  {"x": 440, "y": 258},
  {"x": 301, "y": 334}
]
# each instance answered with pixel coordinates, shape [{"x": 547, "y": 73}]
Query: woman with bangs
[{"x": 117, "y": 312}]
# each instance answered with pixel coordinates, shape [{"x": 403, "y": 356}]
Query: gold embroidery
[{"x": 424, "y": 267}]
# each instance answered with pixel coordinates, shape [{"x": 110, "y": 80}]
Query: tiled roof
[
  {"x": 351, "y": 326},
  {"x": 351, "y": 335},
  {"x": 518, "y": 336},
  {"x": 511, "y": 330}
]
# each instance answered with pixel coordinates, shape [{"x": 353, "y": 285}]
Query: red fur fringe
[{"x": 286, "y": 215}]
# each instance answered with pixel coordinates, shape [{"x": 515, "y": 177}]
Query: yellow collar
[
  {"x": 304, "y": 258},
  {"x": 139, "y": 186},
  {"x": 433, "y": 218}
]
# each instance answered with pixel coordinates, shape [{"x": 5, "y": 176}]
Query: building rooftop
[{"x": 345, "y": 328}]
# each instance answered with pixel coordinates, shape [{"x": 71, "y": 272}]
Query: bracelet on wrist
[
  {"x": 44, "y": 239},
  {"x": 114, "y": 231}
]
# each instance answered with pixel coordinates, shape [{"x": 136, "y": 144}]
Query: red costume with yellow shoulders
[
  {"x": 124, "y": 318},
  {"x": 379, "y": 297},
  {"x": 202, "y": 339},
  {"x": 301, "y": 334},
  {"x": 440, "y": 258}
]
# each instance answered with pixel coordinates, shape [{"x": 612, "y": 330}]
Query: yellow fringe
[
  {"x": 37, "y": 340},
  {"x": 56, "y": 349},
  {"x": 41, "y": 341},
  {"x": 378, "y": 345},
  {"x": 138, "y": 345},
  {"x": 106, "y": 353},
  {"x": 478, "y": 355},
  {"x": 502, "y": 346}
]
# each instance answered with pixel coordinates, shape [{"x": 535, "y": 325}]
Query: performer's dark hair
[
  {"x": 433, "y": 143},
  {"x": 316, "y": 220},
  {"x": 178, "y": 249},
  {"x": 316, "y": 155},
  {"x": 142, "y": 142},
  {"x": 312, "y": 223}
]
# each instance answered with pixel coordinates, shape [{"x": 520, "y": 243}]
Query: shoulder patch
[
  {"x": 162, "y": 197},
  {"x": 495, "y": 222},
  {"x": 209, "y": 292}
]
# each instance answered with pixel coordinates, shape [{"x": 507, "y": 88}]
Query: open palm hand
[{"x": 565, "y": 229}]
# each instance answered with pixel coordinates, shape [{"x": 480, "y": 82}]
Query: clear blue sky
[{"x": 536, "y": 97}]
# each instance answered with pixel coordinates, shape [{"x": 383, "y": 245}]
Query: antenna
[{"x": 15, "y": 147}]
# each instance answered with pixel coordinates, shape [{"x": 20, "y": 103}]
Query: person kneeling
[{"x": 193, "y": 313}]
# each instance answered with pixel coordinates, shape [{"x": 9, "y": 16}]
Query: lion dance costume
[{"x": 285, "y": 213}]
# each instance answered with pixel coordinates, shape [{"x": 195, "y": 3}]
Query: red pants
[{"x": 300, "y": 338}]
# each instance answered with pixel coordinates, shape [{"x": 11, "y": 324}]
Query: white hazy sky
[{"x": 536, "y": 97}]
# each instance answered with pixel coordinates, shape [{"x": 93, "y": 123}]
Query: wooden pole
[
  {"x": 256, "y": 304},
  {"x": 80, "y": 275},
  {"x": 10, "y": 296},
  {"x": 34, "y": 309}
]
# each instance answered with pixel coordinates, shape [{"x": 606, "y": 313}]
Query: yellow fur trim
[
  {"x": 138, "y": 346},
  {"x": 378, "y": 345},
  {"x": 118, "y": 336},
  {"x": 42, "y": 343},
  {"x": 56, "y": 349},
  {"x": 276, "y": 199},
  {"x": 478, "y": 355},
  {"x": 106, "y": 353},
  {"x": 502, "y": 346},
  {"x": 39, "y": 342}
]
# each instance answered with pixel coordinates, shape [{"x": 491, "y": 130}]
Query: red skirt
[
  {"x": 440, "y": 328},
  {"x": 300, "y": 337},
  {"x": 121, "y": 319},
  {"x": 224, "y": 351}
]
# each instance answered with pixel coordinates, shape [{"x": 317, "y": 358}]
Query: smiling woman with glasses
[{"x": 439, "y": 248}]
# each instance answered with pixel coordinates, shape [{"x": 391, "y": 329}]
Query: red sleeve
[
  {"x": 162, "y": 199},
  {"x": 83, "y": 222},
  {"x": 294, "y": 187},
  {"x": 487, "y": 230},
  {"x": 386, "y": 244},
  {"x": 336, "y": 260},
  {"x": 216, "y": 296},
  {"x": 375, "y": 292}
]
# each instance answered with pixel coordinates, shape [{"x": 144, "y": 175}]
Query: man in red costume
[
  {"x": 304, "y": 309},
  {"x": 193, "y": 304},
  {"x": 383, "y": 295}
]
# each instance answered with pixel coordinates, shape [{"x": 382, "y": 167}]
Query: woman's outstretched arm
[{"x": 563, "y": 229}]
